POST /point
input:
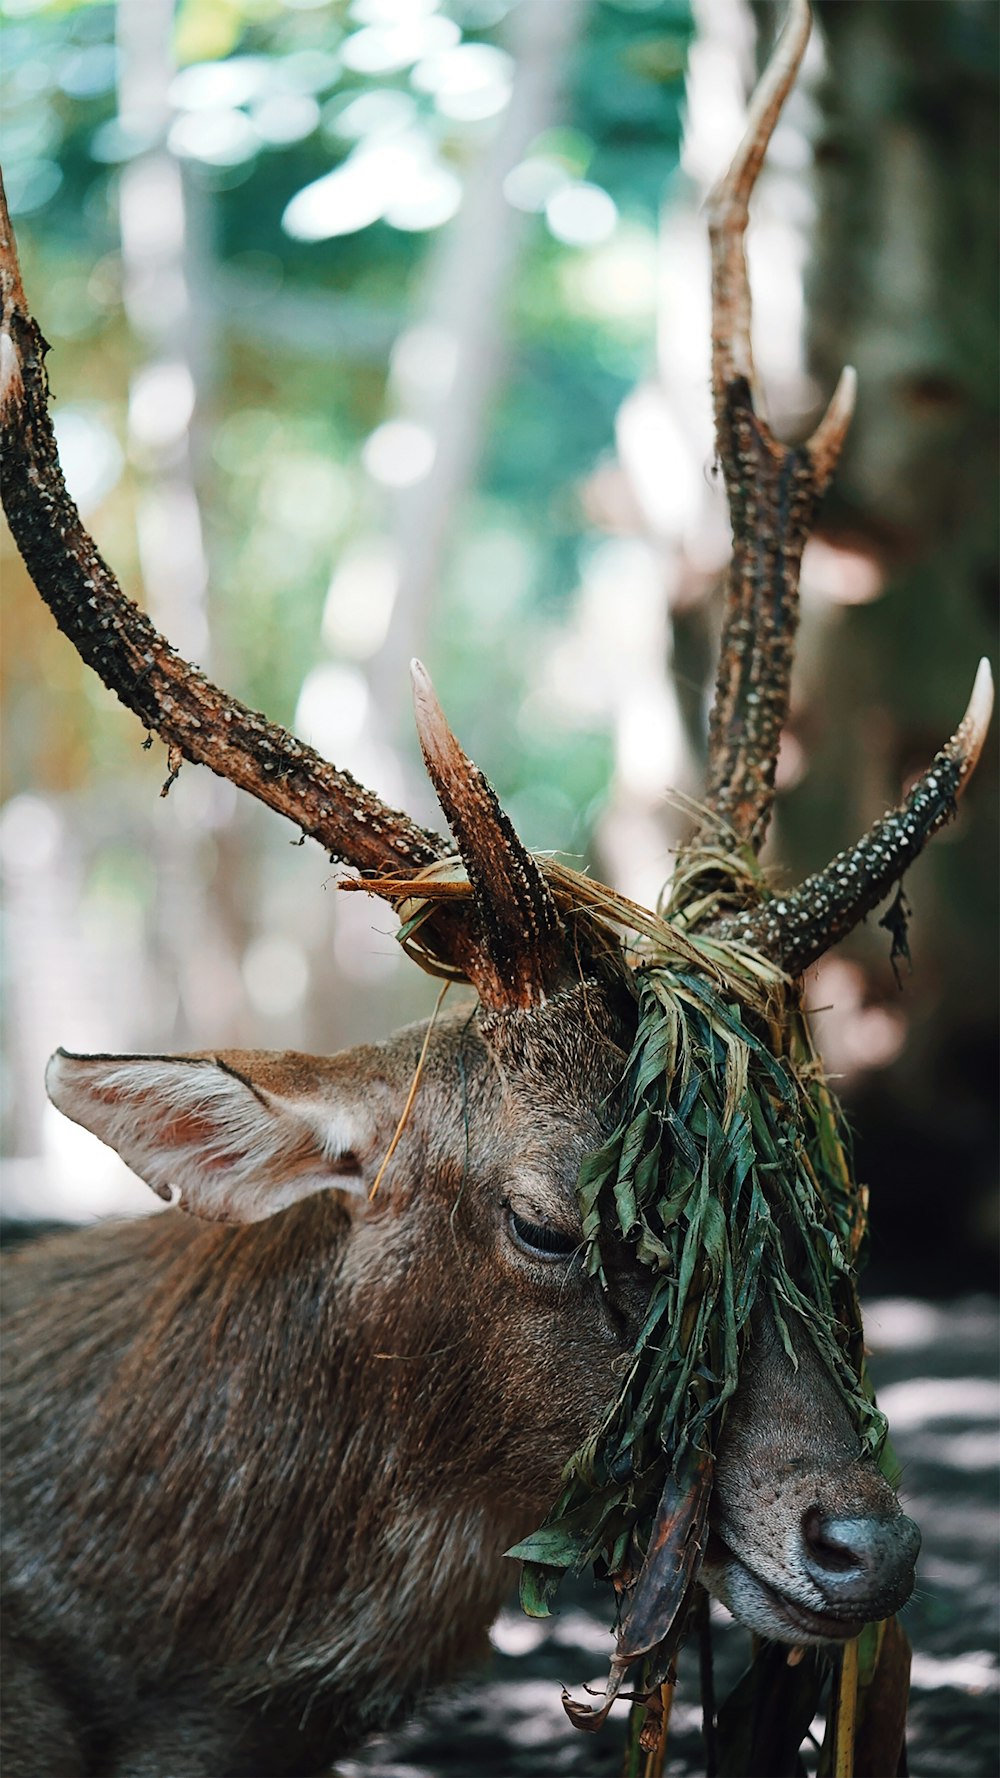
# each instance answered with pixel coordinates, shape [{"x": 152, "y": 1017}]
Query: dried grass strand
[{"x": 411, "y": 1095}]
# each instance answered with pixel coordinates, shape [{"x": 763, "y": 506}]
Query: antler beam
[
  {"x": 197, "y": 720},
  {"x": 773, "y": 491},
  {"x": 513, "y": 944}
]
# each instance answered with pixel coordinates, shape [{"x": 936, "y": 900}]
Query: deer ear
[{"x": 207, "y": 1133}]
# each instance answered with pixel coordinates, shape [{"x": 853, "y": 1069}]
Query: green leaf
[
  {"x": 538, "y": 1588},
  {"x": 552, "y": 1545}
]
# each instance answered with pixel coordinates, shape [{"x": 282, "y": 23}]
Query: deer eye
[{"x": 540, "y": 1239}]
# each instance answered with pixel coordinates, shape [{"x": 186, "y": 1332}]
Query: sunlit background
[{"x": 381, "y": 329}]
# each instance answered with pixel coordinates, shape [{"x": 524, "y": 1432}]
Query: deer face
[{"x": 488, "y": 1352}]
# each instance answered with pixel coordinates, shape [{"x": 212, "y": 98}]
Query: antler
[
  {"x": 197, "y": 720},
  {"x": 510, "y": 949},
  {"x": 799, "y": 928},
  {"x": 523, "y": 933},
  {"x": 773, "y": 491}
]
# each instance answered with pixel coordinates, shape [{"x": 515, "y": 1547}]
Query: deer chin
[{"x": 764, "y": 1608}]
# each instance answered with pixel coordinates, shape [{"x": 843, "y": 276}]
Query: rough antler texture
[
  {"x": 512, "y": 950},
  {"x": 195, "y": 718},
  {"x": 773, "y": 491},
  {"x": 523, "y": 940},
  {"x": 796, "y": 930},
  {"x": 513, "y": 947}
]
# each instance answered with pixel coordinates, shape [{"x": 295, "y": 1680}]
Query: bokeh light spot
[
  {"x": 581, "y": 215},
  {"x": 399, "y": 453}
]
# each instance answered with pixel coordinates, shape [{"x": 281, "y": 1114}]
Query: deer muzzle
[{"x": 822, "y": 1578}]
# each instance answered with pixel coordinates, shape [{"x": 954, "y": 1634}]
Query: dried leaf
[{"x": 672, "y": 1561}]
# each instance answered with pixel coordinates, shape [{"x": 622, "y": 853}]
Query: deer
[{"x": 265, "y": 1452}]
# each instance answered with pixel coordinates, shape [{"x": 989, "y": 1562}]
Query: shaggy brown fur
[{"x": 260, "y": 1478}]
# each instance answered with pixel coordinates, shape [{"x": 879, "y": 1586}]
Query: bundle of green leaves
[{"x": 729, "y": 1176}]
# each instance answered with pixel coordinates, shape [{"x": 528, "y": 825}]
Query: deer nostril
[
  {"x": 832, "y": 1544},
  {"x": 864, "y": 1560}
]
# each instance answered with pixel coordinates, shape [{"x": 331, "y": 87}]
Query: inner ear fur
[{"x": 233, "y": 1137}]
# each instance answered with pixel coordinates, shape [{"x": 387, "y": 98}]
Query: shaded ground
[{"x": 935, "y": 1370}]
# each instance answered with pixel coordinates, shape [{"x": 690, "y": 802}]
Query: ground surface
[{"x": 935, "y": 1370}]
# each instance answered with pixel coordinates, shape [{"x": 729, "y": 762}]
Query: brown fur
[
  {"x": 248, "y": 1452},
  {"x": 261, "y": 1478}
]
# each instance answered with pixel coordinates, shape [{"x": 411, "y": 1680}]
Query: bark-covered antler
[
  {"x": 511, "y": 893},
  {"x": 797, "y": 929},
  {"x": 510, "y": 948},
  {"x": 773, "y": 492}
]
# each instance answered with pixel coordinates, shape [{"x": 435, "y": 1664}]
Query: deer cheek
[{"x": 571, "y": 1388}]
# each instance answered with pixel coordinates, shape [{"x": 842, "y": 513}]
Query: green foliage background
[{"x": 268, "y": 421}]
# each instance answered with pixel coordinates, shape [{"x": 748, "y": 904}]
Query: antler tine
[
  {"x": 523, "y": 949},
  {"x": 773, "y": 492},
  {"x": 197, "y": 720},
  {"x": 799, "y": 928},
  {"x": 728, "y": 209},
  {"x": 827, "y": 442}
]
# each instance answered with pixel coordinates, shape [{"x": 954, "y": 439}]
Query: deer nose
[{"x": 861, "y": 1564}]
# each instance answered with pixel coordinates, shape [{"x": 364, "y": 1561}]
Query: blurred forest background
[{"x": 380, "y": 327}]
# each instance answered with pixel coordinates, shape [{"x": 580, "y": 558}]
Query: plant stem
[
  {"x": 656, "y": 1758},
  {"x": 846, "y": 1712},
  {"x": 707, "y": 1681},
  {"x": 648, "y": 1728}
]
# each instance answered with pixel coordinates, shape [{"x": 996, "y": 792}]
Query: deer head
[{"x": 466, "y": 1258}]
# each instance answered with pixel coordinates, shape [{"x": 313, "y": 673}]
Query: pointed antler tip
[
  {"x": 727, "y": 205},
  {"x": 728, "y": 199},
  {"x": 982, "y": 690},
  {"x": 796, "y": 30},
  {"x": 846, "y": 392},
  {"x": 426, "y": 704},
  {"x": 827, "y": 440},
  {"x": 521, "y": 933},
  {"x": 974, "y": 726},
  {"x": 420, "y": 679},
  {"x": 437, "y": 742}
]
